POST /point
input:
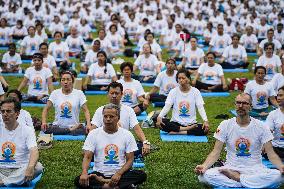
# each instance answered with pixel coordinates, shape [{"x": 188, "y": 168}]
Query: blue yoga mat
[
  {"x": 158, "y": 104},
  {"x": 136, "y": 49},
  {"x": 135, "y": 164},
  {"x": 252, "y": 54},
  {"x": 69, "y": 137},
  {"x": 142, "y": 116},
  {"x": 205, "y": 48},
  {"x": 242, "y": 188},
  {"x": 255, "y": 60},
  {"x": 233, "y": 112},
  {"x": 30, "y": 186},
  {"x": 182, "y": 138},
  {"x": 268, "y": 164},
  {"x": 56, "y": 83},
  {"x": 147, "y": 84},
  {"x": 215, "y": 94},
  {"x": 31, "y": 104},
  {"x": 237, "y": 70},
  {"x": 81, "y": 75},
  {"x": 4, "y": 48},
  {"x": 94, "y": 30},
  {"x": 26, "y": 61},
  {"x": 178, "y": 63},
  {"x": 95, "y": 92},
  {"x": 13, "y": 74}
]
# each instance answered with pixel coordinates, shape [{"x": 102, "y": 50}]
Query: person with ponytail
[{"x": 100, "y": 74}]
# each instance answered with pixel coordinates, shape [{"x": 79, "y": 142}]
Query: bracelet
[{"x": 146, "y": 142}]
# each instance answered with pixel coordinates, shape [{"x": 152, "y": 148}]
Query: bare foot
[
  {"x": 1, "y": 183},
  {"x": 75, "y": 127},
  {"x": 234, "y": 175}
]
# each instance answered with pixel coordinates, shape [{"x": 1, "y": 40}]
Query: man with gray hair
[
  {"x": 244, "y": 137},
  {"x": 113, "y": 150}
]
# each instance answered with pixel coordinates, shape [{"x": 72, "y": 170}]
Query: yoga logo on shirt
[
  {"x": 8, "y": 152},
  {"x": 113, "y": 43},
  {"x": 261, "y": 98},
  {"x": 209, "y": 76},
  {"x": 147, "y": 66},
  {"x": 66, "y": 110},
  {"x": 111, "y": 154},
  {"x": 269, "y": 68},
  {"x": 2, "y": 36},
  {"x": 33, "y": 46},
  {"x": 37, "y": 81},
  {"x": 242, "y": 147},
  {"x": 73, "y": 45},
  {"x": 235, "y": 57},
  {"x": 102, "y": 76},
  {"x": 127, "y": 95},
  {"x": 221, "y": 44},
  {"x": 169, "y": 87},
  {"x": 194, "y": 61},
  {"x": 58, "y": 53},
  {"x": 184, "y": 109}
]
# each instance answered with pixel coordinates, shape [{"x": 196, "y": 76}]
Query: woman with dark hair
[
  {"x": 19, "y": 31},
  {"x": 155, "y": 47},
  {"x": 260, "y": 91},
  {"x": 147, "y": 64},
  {"x": 67, "y": 102},
  {"x": 184, "y": 99},
  {"x": 182, "y": 46},
  {"x": 100, "y": 74},
  {"x": 38, "y": 79},
  {"x": 91, "y": 56},
  {"x": 270, "y": 61},
  {"x": 30, "y": 44},
  {"x": 133, "y": 92},
  {"x": 60, "y": 51},
  {"x": 24, "y": 116},
  {"x": 11, "y": 61},
  {"x": 116, "y": 41},
  {"x": 5, "y": 37},
  {"x": 164, "y": 83},
  {"x": 212, "y": 76},
  {"x": 40, "y": 31}
]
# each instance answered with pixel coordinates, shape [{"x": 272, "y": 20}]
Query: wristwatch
[{"x": 146, "y": 142}]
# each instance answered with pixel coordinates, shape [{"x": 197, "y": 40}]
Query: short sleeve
[
  {"x": 269, "y": 123},
  {"x": 52, "y": 97},
  {"x": 226, "y": 52},
  {"x": 19, "y": 60},
  {"x": 48, "y": 73},
  {"x": 131, "y": 145},
  {"x": 140, "y": 90},
  {"x": 91, "y": 70},
  {"x": 171, "y": 97},
  {"x": 247, "y": 89},
  {"x": 158, "y": 80},
  {"x": 221, "y": 132},
  {"x": 220, "y": 71},
  {"x": 198, "y": 98},
  {"x": 111, "y": 70},
  {"x": 97, "y": 119},
  {"x": 28, "y": 74},
  {"x": 138, "y": 61},
  {"x": 201, "y": 69},
  {"x": 133, "y": 119},
  {"x": 266, "y": 135},
  {"x": 31, "y": 138},
  {"x": 83, "y": 98},
  {"x": 89, "y": 143}
]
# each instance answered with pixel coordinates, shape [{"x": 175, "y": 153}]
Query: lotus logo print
[
  {"x": 37, "y": 81},
  {"x": 184, "y": 109},
  {"x": 242, "y": 147},
  {"x": 127, "y": 95},
  {"x": 111, "y": 154},
  {"x": 8, "y": 152},
  {"x": 66, "y": 110},
  {"x": 261, "y": 98}
]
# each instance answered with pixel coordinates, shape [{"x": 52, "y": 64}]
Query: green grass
[{"x": 170, "y": 167}]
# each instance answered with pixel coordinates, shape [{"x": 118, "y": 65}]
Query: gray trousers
[{"x": 16, "y": 176}]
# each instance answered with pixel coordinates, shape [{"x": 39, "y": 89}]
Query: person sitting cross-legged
[
  {"x": 244, "y": 137},
  {"x": 113, "y": 150},
  {"x": 67, "y": 102},
  {"x": 19, "y": 161},
  {"x": 184, "y": 99}
]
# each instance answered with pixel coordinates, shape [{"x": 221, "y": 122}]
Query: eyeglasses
[
  {"x": 7, "y": 111},
  {"x": 242, "y": 103},
  {"x": 269, "y": 48}
]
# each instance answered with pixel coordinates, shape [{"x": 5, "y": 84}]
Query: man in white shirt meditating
[{"x": 244, "y": 137}]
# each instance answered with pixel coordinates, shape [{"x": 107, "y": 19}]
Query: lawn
[{"x": 170, "y": 167}]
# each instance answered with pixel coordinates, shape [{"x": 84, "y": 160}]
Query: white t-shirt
[
  {"x": 270, "y": 64},
  {"x": 19, "y": 31},
  {"x": 249, "y": 42},
  {"x": 262, "y": 30},
  {"x": 115, "y": 40},
  {"x": 275, "y": 121},
  {"x": 49, "y": 62},
  {"x": 25, "y": 118},
  {"x": 155, "y": 47},
  {"x": 259, "y": 93},
  {"x": 184, "y": 105},
  {"x": 193, "y": 57},
  {"x": 4, "y": 35},
  {"x": 109, "y": 149},
  {"x": 56, "y": 27},
  {"x": 58, "y": 50},
  {"x": 277, "y": 81},
  {"x": 277, "y": 44},
  {"x": 11, "y": 60},
  {"x": 38, "y": 81},
  {"x": 128, "y": 119},
  {"x": 15, "y": 146},
  {"x": 31, "y": 44},
  {"x": 166, "y": 83},
  {"x": 105, "y": 44},
  {"x": 91, "y": 57},
  {"x": 67, "y": 107},
  {"x": 147, "y": 66},
  {"x": 211, "y": 75},
  {"x": 243, "y": 144},
  {"x": 84, "y": 31},
  {"x": 131, "y": 91},
  {"x": 99, "y": 77},
  {"x": 220, "y": 42},
  {"x": 234, "y": 55},
  {"x": 75, "y": 44}
]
